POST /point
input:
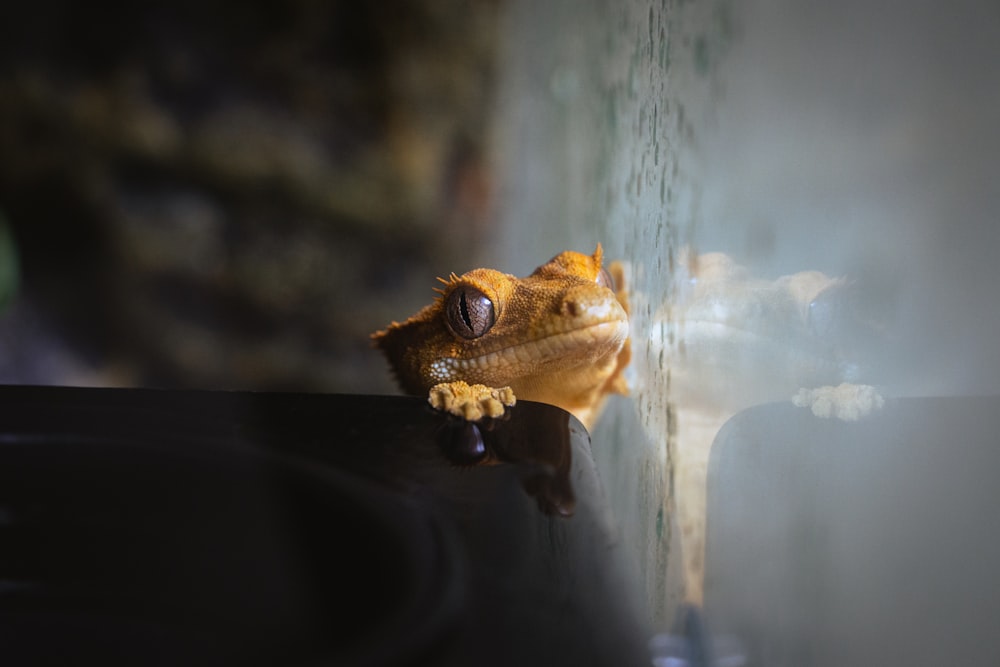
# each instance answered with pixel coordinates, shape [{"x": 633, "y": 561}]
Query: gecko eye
[
  {"x": 469, "y": 312},
  {"x": 604, "y": 279}
]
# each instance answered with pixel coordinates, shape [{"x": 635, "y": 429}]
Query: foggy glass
[{"x": 805, "y": 193}]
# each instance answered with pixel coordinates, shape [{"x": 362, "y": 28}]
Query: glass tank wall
[{"x": 805, "y": 194}]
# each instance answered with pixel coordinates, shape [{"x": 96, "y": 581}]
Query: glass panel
[{"x": 805, "y": 195}]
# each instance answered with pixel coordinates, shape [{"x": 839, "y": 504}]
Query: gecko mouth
[
  {"x": 553, "y": 346},
  {"x": 579, "y": 343}
]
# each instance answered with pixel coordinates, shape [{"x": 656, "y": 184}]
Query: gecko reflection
[{"x": 733, "y": 340}]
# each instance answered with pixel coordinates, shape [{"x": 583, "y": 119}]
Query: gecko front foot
[{"x": 471, "y": 402}]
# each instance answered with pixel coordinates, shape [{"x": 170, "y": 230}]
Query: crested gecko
[{"x": 558, "y": 336}]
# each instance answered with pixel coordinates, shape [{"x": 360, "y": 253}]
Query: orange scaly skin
[{"x": 559, "y": 336}]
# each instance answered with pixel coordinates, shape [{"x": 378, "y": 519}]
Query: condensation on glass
[{"x": 806, "y": 195}]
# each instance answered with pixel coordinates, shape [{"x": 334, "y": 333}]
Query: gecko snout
[{"x": 590, "y": 305}]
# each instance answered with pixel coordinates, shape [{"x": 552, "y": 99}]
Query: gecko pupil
[
  {"x": 469, "y": 312},
  {"x": 464, "y": 305}
]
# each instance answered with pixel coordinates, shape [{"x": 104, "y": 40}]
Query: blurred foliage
[
  {"x": 230, "y": 195},
  {"x": 9, "y": 265}
]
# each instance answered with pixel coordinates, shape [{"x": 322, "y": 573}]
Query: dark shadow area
[{"x": 148, "y": 527}]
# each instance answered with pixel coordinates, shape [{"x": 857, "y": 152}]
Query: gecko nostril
[{"x": 571, "y": 308}]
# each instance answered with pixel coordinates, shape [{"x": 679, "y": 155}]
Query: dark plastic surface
[
  {"x": 868, "y": 543},
  {"x": 157, "y": 527}
]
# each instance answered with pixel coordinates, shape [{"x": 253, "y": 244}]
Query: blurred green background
[
  {"x": 216, "y": 194},
  {"x": 10, "y": 265}
]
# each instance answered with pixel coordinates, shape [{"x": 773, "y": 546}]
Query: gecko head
[{"x": 552, "y": 336}]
